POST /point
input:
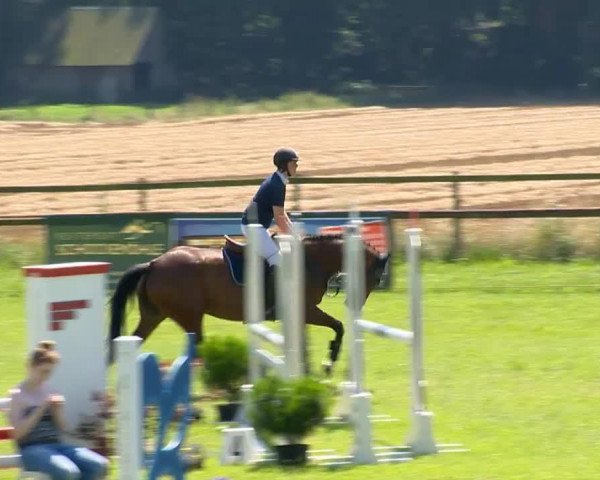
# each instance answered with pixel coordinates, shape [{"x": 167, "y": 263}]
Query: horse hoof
[{"x": 327, "y": 367}]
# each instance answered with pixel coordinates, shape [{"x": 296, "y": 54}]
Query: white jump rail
[
  {"x": 421, "y": 440},
  {"x": 385, "y": 331}
]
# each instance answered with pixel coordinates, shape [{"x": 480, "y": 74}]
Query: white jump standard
[
  {"x": 421, "y": 440},
  {"x": 290, "y": 300},
  {"x": 240, "y": 444}
]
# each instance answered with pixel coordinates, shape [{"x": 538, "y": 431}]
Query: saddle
[
  {"x": 233, "y": 245},
  {"x": 233, "y": 254}
]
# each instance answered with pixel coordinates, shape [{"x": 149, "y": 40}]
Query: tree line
[{"x": 263, "y": 47}]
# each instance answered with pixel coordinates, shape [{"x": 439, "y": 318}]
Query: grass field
[
  {"x": 192, "y": 108},
  {"x": 512, "y": 359}
]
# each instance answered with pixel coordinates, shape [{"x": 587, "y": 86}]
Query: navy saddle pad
[{"x": 235, "y": 261}]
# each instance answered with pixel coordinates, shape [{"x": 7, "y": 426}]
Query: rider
[{"x": 267, "y": 205}]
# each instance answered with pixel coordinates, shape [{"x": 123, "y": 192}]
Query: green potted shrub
[
  {"x": 225, "y": 369},
  {"x": 285, "y": 411}
]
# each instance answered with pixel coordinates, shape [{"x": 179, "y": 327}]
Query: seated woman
[{"x": 37, "y": 417}]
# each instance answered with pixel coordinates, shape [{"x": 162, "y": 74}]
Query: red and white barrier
[{"x": 65, "y": 303}]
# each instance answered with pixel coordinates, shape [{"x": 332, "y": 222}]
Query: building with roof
[{"x": 98, "y": 54}]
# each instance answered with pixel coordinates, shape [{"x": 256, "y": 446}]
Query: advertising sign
[{"x": 121, "y": 239}]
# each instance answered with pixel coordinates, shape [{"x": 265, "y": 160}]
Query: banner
[
  {"x": 120, "y": 239},
  {"x": 376, "y": 234}
]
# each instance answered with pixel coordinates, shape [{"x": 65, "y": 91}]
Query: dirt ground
[{"x": 356, "y": 142}]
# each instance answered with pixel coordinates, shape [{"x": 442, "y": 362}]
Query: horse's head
[
  {"x": 325, "y": 257},
  {"x": 375, "y": 264}
]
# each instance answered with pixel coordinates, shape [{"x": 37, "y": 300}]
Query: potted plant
[
  {"x": 285, "y": 411},
  {"x": 224, "y": 370}
]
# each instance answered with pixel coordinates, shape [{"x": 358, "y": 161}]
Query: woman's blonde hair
[{"x": 45, "y": 352}]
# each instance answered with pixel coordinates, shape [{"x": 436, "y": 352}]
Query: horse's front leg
[{"x": 316, "y": 316}]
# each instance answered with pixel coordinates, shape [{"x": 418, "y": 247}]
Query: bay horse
[{"x": 185, "y": 283}]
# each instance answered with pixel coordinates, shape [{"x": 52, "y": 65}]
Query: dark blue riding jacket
[{"x": 270, "y": 194}]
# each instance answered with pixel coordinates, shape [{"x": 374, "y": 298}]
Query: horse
[{"x": 185, "y": 283}]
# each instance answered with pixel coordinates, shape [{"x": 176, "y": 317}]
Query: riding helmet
[{"x": 283, "y": 156}]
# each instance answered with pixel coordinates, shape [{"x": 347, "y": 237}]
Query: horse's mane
[
  {"x": 324, "y": 237},
  {"x": 335, "y": 237}
]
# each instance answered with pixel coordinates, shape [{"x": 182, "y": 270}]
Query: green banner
[{"x": 121, "y": 239}]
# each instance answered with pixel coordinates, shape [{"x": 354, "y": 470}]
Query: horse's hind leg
[
  {"x": 150, "y": 318},
  {"x": 150, "y": 315},
  {"x": 191, "y": 322},
  {"x": 316, "y": 316}
]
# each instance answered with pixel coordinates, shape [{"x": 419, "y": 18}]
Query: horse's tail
[{"x": 125, "y": 288}]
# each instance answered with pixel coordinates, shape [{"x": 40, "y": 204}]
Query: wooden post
[
  {"x": 297, "y": 195},
  {"x": 103, "y": 202},
  {"x": 143, "y": 198},
  {"x": 457, "y": 245}
]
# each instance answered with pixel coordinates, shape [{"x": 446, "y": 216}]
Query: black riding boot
[{"x": 269, "y": 292}]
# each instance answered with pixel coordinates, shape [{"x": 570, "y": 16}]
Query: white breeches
[{"x": 268, "y": 248}]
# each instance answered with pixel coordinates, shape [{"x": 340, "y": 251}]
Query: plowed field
[{"x": 361, "y": 142}]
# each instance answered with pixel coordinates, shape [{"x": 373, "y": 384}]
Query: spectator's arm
[{"x": 22, "y": 426}]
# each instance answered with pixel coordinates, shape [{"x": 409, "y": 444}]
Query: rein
[{"x": 335, "y": 283}]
